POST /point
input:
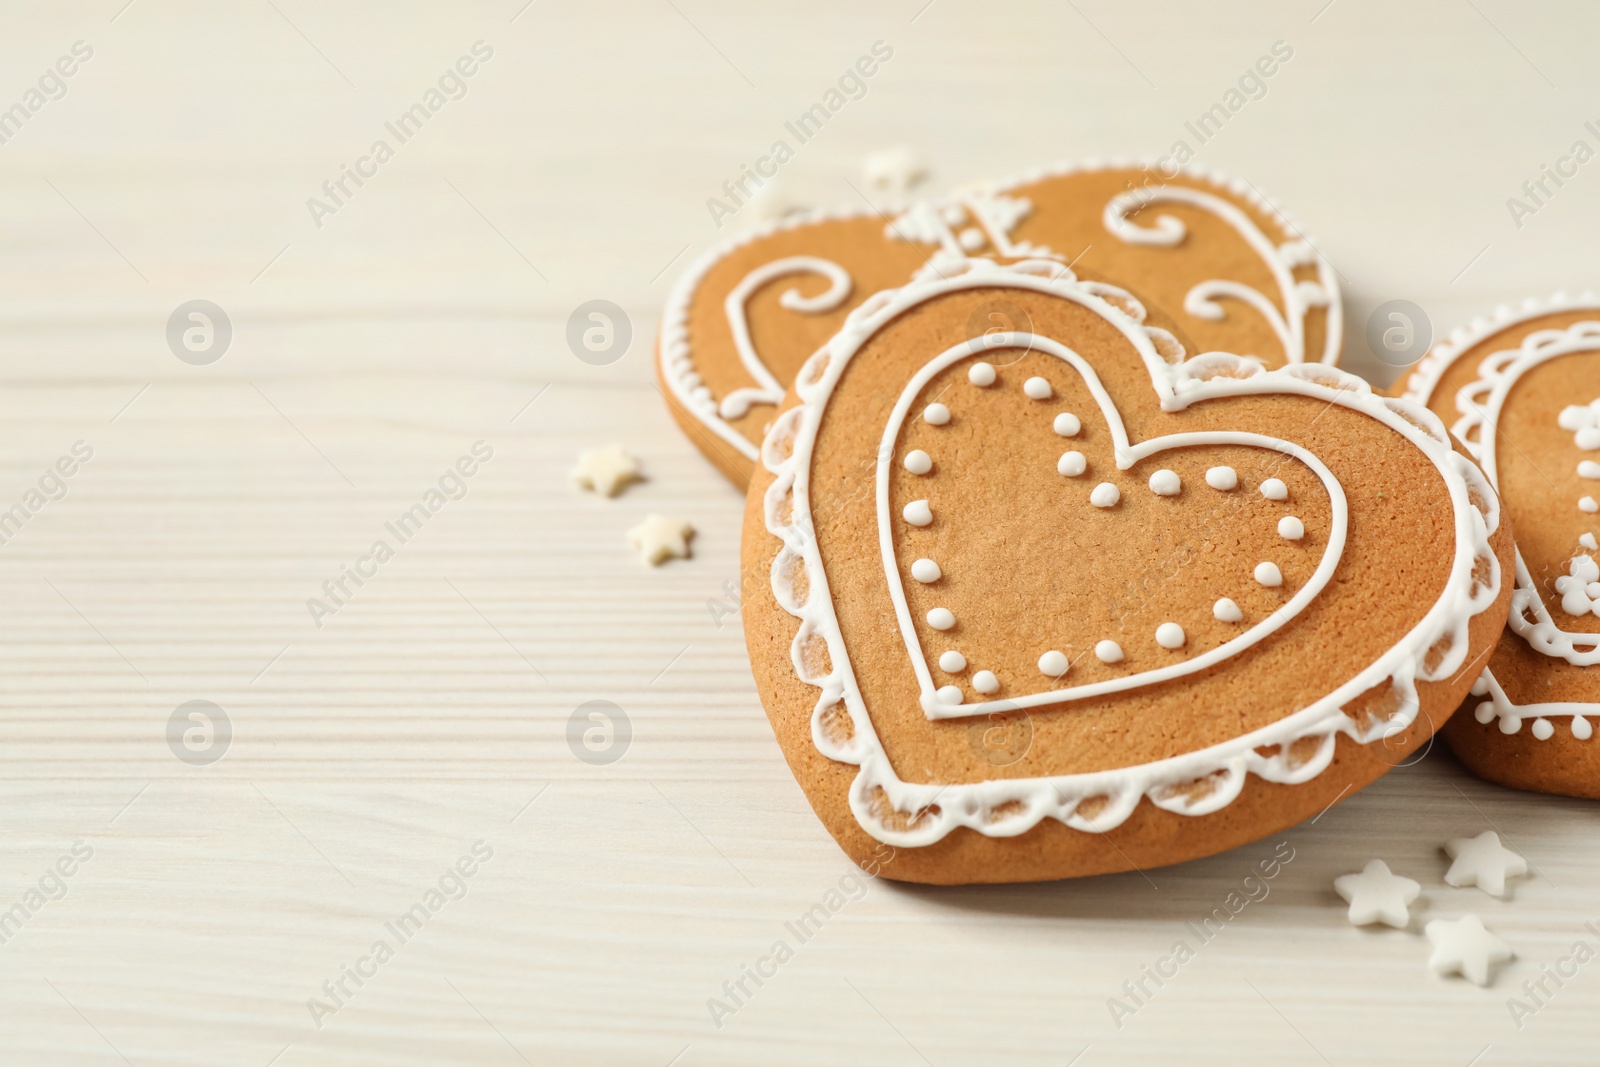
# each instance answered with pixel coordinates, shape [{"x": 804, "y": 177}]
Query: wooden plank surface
[{"x": 431, "y": 712}]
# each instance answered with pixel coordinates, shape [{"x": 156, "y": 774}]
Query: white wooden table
[{"x": 430, "y": 712}]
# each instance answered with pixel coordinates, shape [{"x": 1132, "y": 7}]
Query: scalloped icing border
[
  {"x": 675, "y": 355},
  {"x": 1424, "y": 377},
  {"x": 1501, "y": 368},
  {"x": 912, "y": 814}
]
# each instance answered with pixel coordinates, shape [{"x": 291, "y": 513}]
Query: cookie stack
[{"x": 1069, "y": 550}]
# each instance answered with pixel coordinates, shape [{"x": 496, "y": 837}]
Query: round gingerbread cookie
[
  {"x": 1037, "y": 604},
  {"x": 1234, "y": 274},
  {"x": 1522, "y": 389}
]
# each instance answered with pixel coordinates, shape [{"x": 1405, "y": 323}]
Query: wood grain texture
[{"x": 368, "y": 354}]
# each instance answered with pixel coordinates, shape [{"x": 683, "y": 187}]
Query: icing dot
[
  {"x": 1170, "y": 635},
  {"x": 1291, "y": 528},
  {"x": 1108, "y": 652},
  {"x": 1268, "y": 574},
  {"x": 1222, "y": 478},
  {"x": 1589, "y": 469},
  {"x": 918, "y": 513},
  {"x": 950, "y": 694},
  {"x": 952, "y": 662},
  {"x": 1071, "y": 464},
  {"x": 1588, "y": 541},
  {"x": 1053, "y": 663},
  {"x": 936, "y": 414},
  {"x": 1037, "y": 388},
  {"x": 941, "y": 618},
  {"x": 971, "y": 238},
  {"x": 1105, "y": 495},
  {"x": 985, "y": 682},
  {"x": 1581, "y": 728},
  {"x": 1274, "y": 489},
  {"x": 981, "y": 374},
  {"x": 1067, "y": 424},
  {"x": 1165, "y": 483},
  {"x": 1226, "y": 610},
  {"x": 1510, "y": 725},
  {"x": 1484, "y": 712},
  {"x": 925, "y": 571},
  {"x": 1543, "y": 730},
  {"x": 918, "y": 462},
  {"x": 1588, "y": 504}
]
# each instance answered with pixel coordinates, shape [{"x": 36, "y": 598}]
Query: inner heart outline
[{"x": 1127, "y": 455}]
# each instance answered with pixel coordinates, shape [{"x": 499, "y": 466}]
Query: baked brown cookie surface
[
  {"x": 1522, "y": 389},
  {"x": 1234, "y": 275},
  {"x": 1063, "y": 600}
]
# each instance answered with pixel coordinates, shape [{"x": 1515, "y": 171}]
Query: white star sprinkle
[
  {"x": 894, "y": 171},
  {"x": 606, "y": 470},
  {"x": 1464, "y": 947},
  {"x": 1483, "y": 862},
  {"x": 1377, "y": 896},
  {"x": 659, "y": 538}
]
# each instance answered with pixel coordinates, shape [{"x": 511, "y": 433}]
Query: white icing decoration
[
  {"x": 1053, "y": 664},
  {"x": 1291, "y": 528},
  {"x": 1165, "y": 483},
  {"x": 931, "y": 810},
  {"x": 1225, "y": 610},
  {"x": 768, "y": 389},
  {"x": 1108, "y": 652},
  {"x": 1484, "y": 862},
  {"x": 1170, "y": 635},
  {"x": 1274, "y": 489},
  {"x": 1037, "y": 388},
  {"x": 952, "y": 662},
  {"x": 1067, "y": 424},
  {"x": 1298, "y": 297},
  {"x": 981, "y": 374},
  {"x": 1577, "y": 595},
  {"x": 1071, "y": 464},
  {"x": 1268, "y": 574},
  {"x": 936, "y": 415},
  {"x": 1463, "y": 946},
  {"x": 993, "y": 215},
  {"x": 991, "y": 208},
  {"x": 917, "y": 513},
  {"x": 1223, "y": 478},
  {"x": 951, "y": 695},
  {"x": 986, "y": 682},
  {"x": 1105, "y": 495},
  {"x": 1481, "y": 403},
  {"x": 1512, "y": 716},
  {"x": 925, "y": 571},
  {"x": 1589, "y": 504},
  {"x": 1587, "y": 541},
  {"x": 941, "y": 618},
  {"x": 918, "y": 462}
]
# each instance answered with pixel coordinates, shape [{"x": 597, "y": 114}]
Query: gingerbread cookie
[
  {"x": 1522, "y": 390},
  {"x": 742, "y": 320},
  {"x": 1036, "y": 604}
]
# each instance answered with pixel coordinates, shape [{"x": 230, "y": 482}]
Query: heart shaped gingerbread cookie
[
  {"x": 1060, "y": 599},
  {"x": 1522, "y": 389},
  {"x": 741, "y": 321}
]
